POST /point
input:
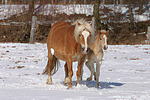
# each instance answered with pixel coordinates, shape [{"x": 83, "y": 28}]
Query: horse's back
[
  {"x": 60, "y": 36},
  {"x": 58, "y": 31},
  {"x": 60, "y": 25}
]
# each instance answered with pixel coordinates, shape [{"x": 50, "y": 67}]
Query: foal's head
[
  {"x": 102, "y": 36},
  {"x": 83, "y": 34}
]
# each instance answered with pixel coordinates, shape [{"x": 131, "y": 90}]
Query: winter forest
[{"x": 128, "y": 20}]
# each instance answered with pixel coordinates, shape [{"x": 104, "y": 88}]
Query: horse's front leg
[
  {"x": 97, "y": 73},
  {"x": 80, "y": 69},
  {"x": 81, "y": 73},
  {"x": 70, "y": 72}
]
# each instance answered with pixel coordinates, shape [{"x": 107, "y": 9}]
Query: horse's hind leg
[
  {"x": 90, "y": 66},
  {"x": 49, "y": 80},
  {"x": 66, "y": 74}
]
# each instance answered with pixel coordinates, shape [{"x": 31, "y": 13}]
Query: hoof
[
  {"x": 69, "y": 87},
  {"x": 89, "y": 79},
  {"x": 49, "y": 82},
  {"x": 65, "y": 84},
  {"x": 98, "y": 87},
  {"x": 67, "y": 80}
]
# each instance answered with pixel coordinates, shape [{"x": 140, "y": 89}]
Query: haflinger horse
[
  {"x": 69, "y": 42},
  {"x": 96, "y": 53}
]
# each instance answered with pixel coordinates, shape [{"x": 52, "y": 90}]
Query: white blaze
[
  {"x": 105, "y": 37},
  {"x": 85, "y": 35}
]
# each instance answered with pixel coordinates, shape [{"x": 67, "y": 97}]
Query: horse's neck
[{"x": 96, "y": 47}]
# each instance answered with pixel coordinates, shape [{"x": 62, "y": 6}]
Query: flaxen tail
[{"x": 52, "y": 65}]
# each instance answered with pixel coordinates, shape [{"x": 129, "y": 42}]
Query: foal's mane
[
  {"x": 103, "y": 31},
  {"x": 79, "y": 26}
]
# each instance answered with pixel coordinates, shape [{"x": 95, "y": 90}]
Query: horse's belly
[
  {"x": 61, "y": 56},
  {"x": 64, "y": 57}
]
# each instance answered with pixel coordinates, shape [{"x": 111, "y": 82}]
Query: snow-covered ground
[{"x": 125, "y": 75}]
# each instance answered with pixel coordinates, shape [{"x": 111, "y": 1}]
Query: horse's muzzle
[
  {"x": 105, "y": 47},
  {"x": 85, "y": 50}
]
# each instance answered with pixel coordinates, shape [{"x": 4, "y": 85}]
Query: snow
[
  {"x": 143, "y": 17},
  {"x": 125, "y": 75},
  {"x": 6, "y": 11}
]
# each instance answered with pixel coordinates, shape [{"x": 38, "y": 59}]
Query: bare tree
[
  {"x": 141, "y": 3},
  {"x": 96, "y": 13},
  {"x": 31, "y": 9}
]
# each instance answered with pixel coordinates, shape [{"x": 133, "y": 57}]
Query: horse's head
[
  {"x": 83, "y": 35},
  {"x": 83, "y": 39},
  {"x": 102, "y": 35}
]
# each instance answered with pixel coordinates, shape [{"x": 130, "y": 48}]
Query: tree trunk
[
  {"x": 33, "y": 29},
  {"x": 10, "y": 2},
  {"x": 96, "y": 14},
  {"x": 103, "y": 1},
  {"x": 27, "y": 26},
  {"x": 141, "y": 7},
  {"x": 131, "y": 16},
  {"x": 121, "y": 1},
  {"x": 31, "y": 10},
  {"x": 148, "y": 35}
]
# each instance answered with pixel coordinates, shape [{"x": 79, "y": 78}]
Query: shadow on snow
[{"x": 103, "y": 85}]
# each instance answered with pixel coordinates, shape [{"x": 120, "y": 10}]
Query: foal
[{"x": 95, "y": 55}]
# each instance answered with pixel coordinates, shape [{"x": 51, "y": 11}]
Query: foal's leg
[
  {"x": 49, "y": 80},
  {"x": 66, "y": 74},
  {"x": 98, "y": 64},
  {"x": 90, "y": 66}
]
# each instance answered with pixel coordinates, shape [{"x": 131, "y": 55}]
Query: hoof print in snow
[
  {"x": 134, "y": 58},
  {"x": 38, "y": 74},
  {"x": 19, "y": 67},
  {"x": 12, "y": 67}
]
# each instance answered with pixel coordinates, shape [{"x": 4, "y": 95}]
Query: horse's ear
[
  {"x": 107, "y": 32},
  {"x": 79, "y": 24},
  {"x": 91, "y": 23}
]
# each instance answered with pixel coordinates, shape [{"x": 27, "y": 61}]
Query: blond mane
[
  {"x": 79, "y": 26},
  {"x": 103, "y": 31}
]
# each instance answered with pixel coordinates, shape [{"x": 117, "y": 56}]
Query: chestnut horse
[
  {"x": 70, "y": 43},
  {"x": 95, "y": 55}
]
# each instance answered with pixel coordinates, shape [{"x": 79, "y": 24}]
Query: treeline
[{"x": 75, "y": 1}]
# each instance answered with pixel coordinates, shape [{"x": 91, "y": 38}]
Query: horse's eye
[
  {"x": 79, "y": 34},
  {"x": 90, "y": 35},
  {"x": 100, "y": 38}
]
